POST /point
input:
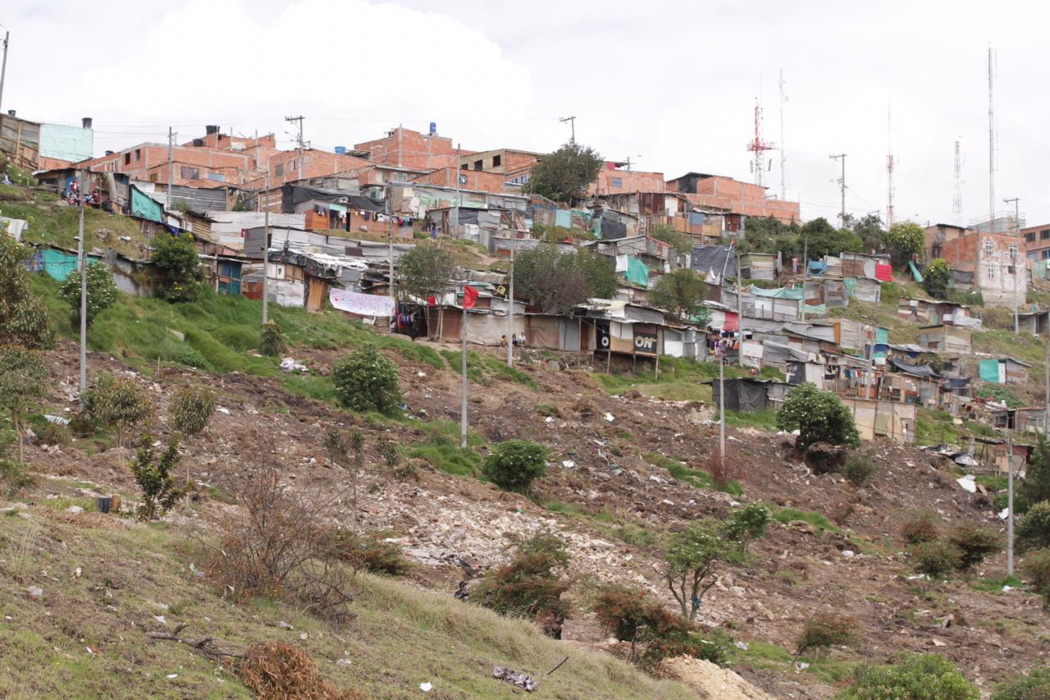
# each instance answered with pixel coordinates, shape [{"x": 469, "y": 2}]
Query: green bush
[
  {"x": 935, "y": 558},
  {"x": 690, "y": 563},
  {"x": 530, "y": 584},
  {"x": 101, "y": 292},
  {"x": 976, "y": 542},
  {"x": 1034, "y": 686},
  {"x": 118, "y": 402},
  {"x": 917, "y": 677},
  {"x": 1033, "y": 530},
  {"x": 271, "y": 339},
  {"x": 682, "y": 639},
  {"x": 367, "y": 381},
  {"x": 24, "y": 377},
  {"x": 191, "y": 408},
  {"x": 921, "y": 526},
  {"x": 370, "y": 553},
  {"x": 859, "y": 468},
  {"x": 1036, "y": 485},
  {"x": 513, "y": 465},
  {"x": 24, "y": 318},
  {"x": 156, "y": 477},
  {"x": 819, "y": 416},
  {"x": 180, "y": 275},
  {"x": 936, "y": 278},
  {"x": 745, "y": 524},
  {"x": 1036, "y": 569},
  {"x": 823, "y": 631}
]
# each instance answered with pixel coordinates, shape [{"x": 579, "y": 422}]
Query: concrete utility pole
[
  {"x": 510, "y": 301},
  {"x": 842, "y": 186},
  {"x": 266, "y": 245},
  {"x": 739, "y": 313},
  {"x": 82, "y": 262},
  {"x": 3, "y": 70},
  {"x": 1010, "y": 506},
  {"x": 463, "y": 372},
  {"x": 572, "y": 123},
  {"x": 455, "y": 221},
  {"x": 302, "y": 165},
  {"x": 393, "y": 296},
  {"x": 171, "y": 165},
  {"x": 1015, "y": 249},
  {"x": 722, "y": 411}
]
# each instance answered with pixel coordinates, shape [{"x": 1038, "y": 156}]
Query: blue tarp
[
  {"x": 781, "y": 293},
  {"x": 563, "y": 218},
  {"x": 817, "y": 268},
  {"x": 637, "y": 272}
]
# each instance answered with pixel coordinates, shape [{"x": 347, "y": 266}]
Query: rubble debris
[{"x": 519, "y": 679}]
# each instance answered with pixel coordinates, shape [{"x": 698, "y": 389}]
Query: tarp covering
[
  {"x": 563, "y": 217},
  {"x": 293, "y": 195},
  {"x": 613, "y": 230},
  {"x": 990, "y": 371},
  {"x": 713, "y": 258},
  {"x": 781, "y": 293},
  {"x": 1039, "y": 269},
  {"x": 743, "y": 394},
  {"x": 883, "y": 273},
  {"x": 361, "y": 304},
  {"x": 637, "y": 272},
  {"x": 58, "y": 264},
  {"x": 817, "y": 268},
  {"x": 921, "y": 371},
  {"x": 916, "y": 275},
  {"x": 145, "y": 207}
]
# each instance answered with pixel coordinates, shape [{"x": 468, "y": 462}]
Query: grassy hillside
[{"x": 107, "y": 581}]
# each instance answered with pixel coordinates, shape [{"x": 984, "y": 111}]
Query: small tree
[
  {"x": 23, "y": 377},
  {"x": 175, "y": 258},
  {"x": 1033, "y": 530},
  {"x": 426, "y": 270},
  {"x": 935, "y": 558},
  {"x": 824, "y": 630},
  {"x": 936, "y": 278},
  {"x": 819, "y": 416},
  {"x": 513, "y": 465},
  {"x": 1036, "y": 569},
  {"x": 271, "y": 339},
  {"x": 599, "y": 271},
  {"x": 976, "y": 542},
  {"x": 24, "y": 319},
  {"x": 101, "y": 292},
  {"x": 339, "y": 447},
  {"x": 191, "y": 409},
  {"x": 1034, "y": 686},
  {"x": 858, "y": 468},
  {"x": 550, "y": 278},
  {"x": 921, "y": 526},
  {"x": 367, "y": 381},
  {"x": 681, "y": 291},
  {"x": 120, "y": 403},
  {"x": 530, "y": 584},
  {"x": 156, "y": 477},
  {"x": 565, "y": 174},
  {"x": 927, "y": 676},
  {"x": 690, "y": 563},
  {"x": 907, "y": 239},
  {"x": 745, "y": 525},
  {"x": 1036, "y": 485}
]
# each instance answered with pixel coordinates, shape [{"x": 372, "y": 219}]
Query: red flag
[
  {"x": 470, "y": 296},
  {"x": 432, "y": 301}
]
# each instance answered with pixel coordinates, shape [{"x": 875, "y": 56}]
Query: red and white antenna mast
[
  {"x": 889, "y": 172},
  {"x": 758, "y": 146},
  {"x": 957, "y": 204}
]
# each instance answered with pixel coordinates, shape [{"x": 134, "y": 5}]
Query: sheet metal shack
[
  {"x": 950, "y": 339},
  {"x": 883, "y": 418},
  {"x": 749, "y": 394}
]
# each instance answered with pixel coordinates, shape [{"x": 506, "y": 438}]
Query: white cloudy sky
[{"x": 672, "y": 85}]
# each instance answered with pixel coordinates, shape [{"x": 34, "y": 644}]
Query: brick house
[
  {"x": 733, "y": 196},
  {"x": 410, "y": 149}
]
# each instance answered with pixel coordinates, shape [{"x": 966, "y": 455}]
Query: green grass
[
  {"x": 766, "y": 419},
  {"x": 402, "y": 635},
  {"x": 441, "y": 449},
  {"x": 995, "y": 585},
  {"x": 475, "y": 365},
  {"x": 481, "y": 368},
  {"x": 792, "y": 515},
  {"x": 693, "y": 477},
  {"x": 935, "y": 427},
  {"x": 680, "y": 379},
  {"x": 766, "y": 656},
  {"x": 51, "y": 224}
]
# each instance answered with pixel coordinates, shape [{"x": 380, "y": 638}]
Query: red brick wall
[
  {"x": 629, "y": 181},
  {"x": 416, "y": 150},
  {"x": 476, "y": 179}
]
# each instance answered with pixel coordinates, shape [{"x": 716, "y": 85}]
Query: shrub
[
  {"x": 819, "y": 416},
  {"x": 279, "y": 670},
  {"x": 858, "y": 468},
  {"x": 623, "y": 612},
  {"x": 191, "y": 409},
  {"x": 1033, "y": 530},
  {"x": 1036, "y": 568},
  {"x": 101, "y": 292},
  {"x": 120, "y": 403},
  {"x": 389, "y": 452},
  {"x": 156, "y": 477},
  {"x": 921, "y": 526},
  {"x": 514, "y": 464},
  {"x": 530, "y": 584},
  {"x": 24, "y": 319},
  {"x": 976, "y": 542},
  {"x": 271, "y": 339},
  {"x": 746, "y": 524},
  {"x": 370, "y": 553},
  {"x": 1034, "y": 686},
  {"x": 935, "y": 558},
  {"x": 175, "y": 258},
  {"x": 690, "y": 562},
  {"x": 684, "y": 640},
  {"x": 823, "y": 631},
  {"x": 936, "y": 278},
  {"x": 23, "y": 377},
  {"x": 367, "y": 381},
  {"x": 907, "y": 239},
  {"x": 917, "y": 676},
  {"x": 1036, "y": 485}
]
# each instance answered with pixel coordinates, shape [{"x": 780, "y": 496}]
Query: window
[
  {"x": 127, "y": 158},
  {"x": 279, "y": 170},
  {"x": 464, "y": 166},
  {"x": 138, "y": 154},
  {"x": 1044, "y": 234},
  {"x": 617, "y": 182},
  {"x": 1029, "y": 238},
  {"x": 991, "y": 271},
  {"x": 1046, "y": 254},
  {"x": 989, "y": 247},
  {"x": 1013, "y": 252},
  {"x": 399, "y": 177},
  {"x": 218, "y": 177},
  {"x": 462, "y": 179},
  {"x": 479, "y": 165},
  {"x": 189, "y": 173},
  {"x": 497, "y": 161},
  {"x": 291, "y": 165}
]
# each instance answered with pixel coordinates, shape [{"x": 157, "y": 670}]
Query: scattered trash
[
  {"x": 284, "y": 625},
  {"x": 289, "y": 364},
  {"x": 548, "y": 419},
  {"x": 343, "y": 662},
  {"x": 966, "y": 460},
  {"x": 657, "y": 480},
  {"x": 939, "y": 643},
  {"x": 1007, "y": 589},
  {"x": 304, "y": 636},
  {"x": 35, "y": 592},
  {"x": 77, "y": 571},
  {"x": 968, "y": 482},
  {"x": 568, "y": 464},
  {"x": 1004, "y": 514},
  {"x": 172, "y": 676},
  {"x": 421, "y": 374},
  {"x": 57, "y": 420},
  {"x": 426, "y": 687},
  {"x": 849, "y": 554},
  {"x": 75, "y": 510},
  {"x": 518, "y": 679},
  {"x": 742, "y": 646},
  {"x": 801, "y": 666},
  {"x": 733, "y": 439},
  {"x": 160, "y": 619},
  {"x": 223, "y": 409},
  {"x": 610, "y": 417}
]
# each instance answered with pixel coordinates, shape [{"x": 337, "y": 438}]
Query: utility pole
[
  {"x": 463, "y": 371},
  {"x": 510, "y": 301},
  {"x": 390, "y": 236},
  {"x": 842, "y": 185},
  {"x": 1046, "y": 398},
  {"x": 82, "y": 256},
  {"x": 957, "y": 205},
  {"x": 783, "y": 156},
  {"x": 455, "y": 222},
  {"x": 171, "y": 165},
  {"x": 805, "y": 274},
  {"x": 722, "y": 411},
  {"x": 991, "y": 138},
  {"x": 739, "y": 313},
  {"x": 1014, "y": 249},
  {"x": 266, "y": 246},
  {"x": 572, "y": 123},
  {"x": 3, "y": 70},
  {"x": 1010, "y": 505},
  {"x": 302, "y": 165},
  {"x": 889, "y": 171}
]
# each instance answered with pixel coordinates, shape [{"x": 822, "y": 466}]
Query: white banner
[{"x": 361, "y": 304}]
